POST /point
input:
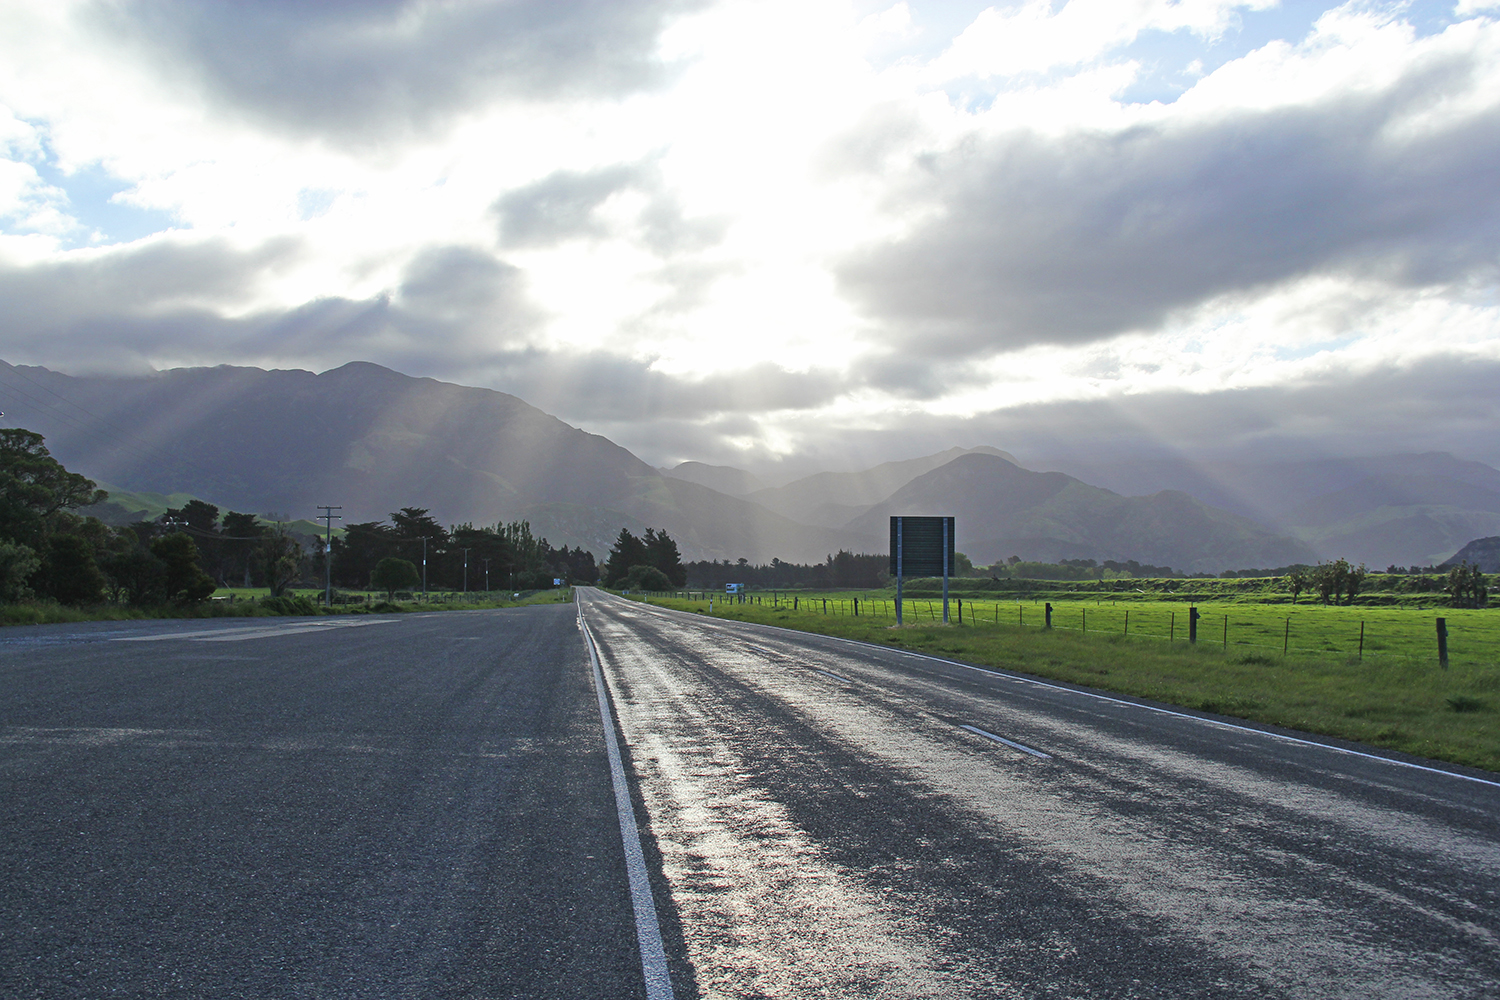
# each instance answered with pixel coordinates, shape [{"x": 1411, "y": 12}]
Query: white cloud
[{"x": 740, "y": 204}]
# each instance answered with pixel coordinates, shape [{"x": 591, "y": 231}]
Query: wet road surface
[
  {"x": 837, "y": 820},
  {"x": 424, "y": 806}
]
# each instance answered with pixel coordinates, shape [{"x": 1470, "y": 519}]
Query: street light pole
[
  {"x": 466, "y": 572},
  {"x": 486, "y": 576},
  {"x": 328, "y": 517}
]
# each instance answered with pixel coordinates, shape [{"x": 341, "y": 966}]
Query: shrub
[
  {"x": 69, "y": 573},
  {"x": 643, "y": 577},
  {"x": 289, "y": 604},
  {"x": 184, "y": 579}
]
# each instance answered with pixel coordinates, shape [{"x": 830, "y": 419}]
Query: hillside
[
  {"x": 835, "y": 498},
  {"x": 1004, "y": 510},
  {"x": 1380, "y": 510},
  {"x": 374, "y": 440},
  {"x": 723, "y": 478},
  {"x": 1482, "y": 552}
]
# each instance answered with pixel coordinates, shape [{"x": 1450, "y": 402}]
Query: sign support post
[
  {"x": 945, "y": 570},
  {"x": 899, "y": 567},
  {"x": 922, "y": 546}
]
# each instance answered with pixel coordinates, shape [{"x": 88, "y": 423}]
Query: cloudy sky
[{"x": 801, "y": 233}]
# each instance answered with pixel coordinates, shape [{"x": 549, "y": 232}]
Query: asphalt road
[
  {"x": 423, "y": 806},
  {"x": 365, "y": 808},
  {"x": 838, "y": 820}
]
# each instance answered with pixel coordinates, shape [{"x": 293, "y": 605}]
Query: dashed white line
[
  {"x": 647, "y": 926},
  {"x": 830, "y": 673},
  {"x": 1010, "y": 743}
]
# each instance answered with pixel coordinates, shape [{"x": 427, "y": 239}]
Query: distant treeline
[
  {"x": 500, "y": 557},
  {"x": 843, "y": 570}
]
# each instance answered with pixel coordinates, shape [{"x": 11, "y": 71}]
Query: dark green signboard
[{"x": 919, "y": 545}]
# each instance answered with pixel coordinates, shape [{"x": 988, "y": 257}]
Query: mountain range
[{"x": 373, "y": 440}]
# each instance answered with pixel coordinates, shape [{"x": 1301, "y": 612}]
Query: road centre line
[
  {"x": 1114, "y": 701},
  {"x": 254, "y": 631},
  {"x": 1010, "y": 743},
  {"x": 647, "y": 926}
]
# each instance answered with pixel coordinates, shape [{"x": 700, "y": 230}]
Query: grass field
[
  {"x": 1232, "y": 625},
  {"x": 1396, "y": 696}
]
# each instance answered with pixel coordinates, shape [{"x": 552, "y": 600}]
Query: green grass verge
[{"x": 1396, "y": 701}]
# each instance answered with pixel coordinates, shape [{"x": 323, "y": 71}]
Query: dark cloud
[
  {"x": 1046, "y": 240},
  {"x": 564, "y": 206},
  {"x": 560, "y": 207},
  {"x": 127, "y": 306},
  {"x": 603, "y": 387},
  {"x": 1443, "y": 403},
  {"x": 368, "y": 70},
  {"x": 154, "y": 279}
]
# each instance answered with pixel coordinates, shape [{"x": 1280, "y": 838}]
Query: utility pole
[
  {"x": 466, "y": 572},
  {"x": 424, "y": 567},
  {"x": 328, "y": 517},
  {"x": 486, "y": 575}
]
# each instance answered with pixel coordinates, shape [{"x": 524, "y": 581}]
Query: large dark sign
[{"x": 919, "y": 545}]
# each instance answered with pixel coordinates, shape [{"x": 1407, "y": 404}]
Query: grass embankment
[
  {"x": 1396, "y": 697},
  {"x": 254, "y": 603}
]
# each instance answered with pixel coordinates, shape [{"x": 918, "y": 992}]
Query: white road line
[
  {"x": 647, "y": 927},
  {"x": 830, "y": 673},
  {"x": 1117, "y": 701},
  {"x": 254, "y": 631},
  {"x": 1010, "y": 743}
]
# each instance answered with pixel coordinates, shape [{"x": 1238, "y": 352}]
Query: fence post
[
  {"x": 1286, "y": 637},
  {"x": 1442, "y": 631},
  {"x": 1226, "y": 633},
  {"x": 1085, "y": 621},
  {"x": 1172, "y": 628},
  {"x": 856, "y": 607},
  {"x": 960, "y": 610},
  {"x": 1127, "y": 621},
  {"x": 1361, "y": 640},
  {"x": 1193, "y": 617},
  {"x": 1048, "y": 612}
]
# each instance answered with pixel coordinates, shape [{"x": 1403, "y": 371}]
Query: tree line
[
  {"x": 48, "y": 550},
  {"x": 842, "y": 570},
  {"x": 504, "y": 556},
  {"x": 651, "y": 562}
]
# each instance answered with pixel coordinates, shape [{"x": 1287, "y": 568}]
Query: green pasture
[
  {"x": 1394, "y": 696},
  {"x": 1296, "y": 629}
]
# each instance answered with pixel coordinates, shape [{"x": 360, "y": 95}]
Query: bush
[
  {"x": 184, "y": 579},
  {"x": 17, "y": 563},
  {"x": 69, "y": 573},
  {"x": 289, "y": 604},
  {"x": 643, "y": 577},
  {"x": 393, "y": 574}
]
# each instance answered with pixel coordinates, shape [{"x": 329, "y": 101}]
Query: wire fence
[{"x": 1472, "y": 636}]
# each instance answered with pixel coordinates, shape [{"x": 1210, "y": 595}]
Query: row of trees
[
  {"x": 651, "y": 562},
  {"x": 49, "y": 550},
  {"x": 1337, "y": 580},
  {"x": 843, "y": 570},
  {"x": 502, "y": 556}
]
